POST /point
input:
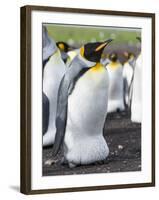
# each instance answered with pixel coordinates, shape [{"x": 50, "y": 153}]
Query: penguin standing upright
[
  {"x": 82, "y": 108},
  {"x": 53, "y": 72},
  {"x": 48, "y": 49},
  {"x": 136, "y": 104},
  {"x": 128, "y": 73},
  {"x": 115, "y": 97}
]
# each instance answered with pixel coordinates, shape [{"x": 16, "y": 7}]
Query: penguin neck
[
  {"x": 97, "y": 67},
  {"x": 87, "y": 62},
  {"x": 114, "y": 64},
  {"x": 56, "y": 56}
]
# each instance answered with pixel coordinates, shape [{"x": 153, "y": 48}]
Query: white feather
[
  {"x": 87, "y": 109},
  {"x": 136, "y": 106},
  {"x": 127, "y": 76},
  {"x": 53, "y": 73},
  {"x": 115, "y": 96}
]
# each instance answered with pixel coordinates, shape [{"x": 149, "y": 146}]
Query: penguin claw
[{"x": 50, "y": 162}]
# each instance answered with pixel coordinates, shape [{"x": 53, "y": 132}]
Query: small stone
[
  {"x": 50, "y": 162},
  {"x": 120, "y": 147}
]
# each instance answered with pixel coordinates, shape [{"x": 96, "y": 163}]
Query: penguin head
[
  {"x": 63, "y": 46},
  {"x": 113, "y": 57},
  {"x": 129, "y": 55},
  {"x": 93, "y": 51}
]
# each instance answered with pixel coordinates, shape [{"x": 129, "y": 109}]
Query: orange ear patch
[
  {"x": 61, "y": 46},
  {"x": 82, "y": 51}
]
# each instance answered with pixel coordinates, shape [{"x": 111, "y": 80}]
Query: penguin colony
[{"x": 80, "y": 87}]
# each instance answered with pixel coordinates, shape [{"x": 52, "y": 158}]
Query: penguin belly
[
  {"x": 115, "y": 95},
  {"x": 127, "y": 78},
  {"x": 87, "y": 108},
  {"x": 53, "y": 73},
  {"x": 136, "y": 105}
]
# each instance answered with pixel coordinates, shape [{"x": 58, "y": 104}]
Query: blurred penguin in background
[
  {"x": 53, "y": 72},
  {"x": 68, "y": 53},
  {"x": 64, "y": 49},
  {"x": 80, "y": 119},
  {"x": 115, "y": 96},
  {"x": 136, "y": 105},
  {"x": 47, "y": 44},
  {"x": 128, "y": 74},
  {"x": 47, "y": 49}
]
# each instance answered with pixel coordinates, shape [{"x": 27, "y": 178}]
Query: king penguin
[
  {"x": 82, "y": 108},
  {"x": 115, "y": 96},
  {"x": 136, "y": 104},
  {"x": 53, "y": 72},
  {"x": 128, "y": 74}
]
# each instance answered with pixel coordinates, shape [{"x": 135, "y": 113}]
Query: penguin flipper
[
  {"x": 61, "y": 114},
  {"x": 66, "y": 87},
  {"x": 45, "y": 112}
]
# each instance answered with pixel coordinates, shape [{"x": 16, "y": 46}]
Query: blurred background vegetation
[
  {"x": 82, "y": 34},
  {"x": 124, "y": 39}
]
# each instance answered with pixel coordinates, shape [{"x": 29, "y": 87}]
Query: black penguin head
[
  {"x": 63, "y": 46},
  {"x": 113, "y": 57},
  {"x": 93, "y": 51}
]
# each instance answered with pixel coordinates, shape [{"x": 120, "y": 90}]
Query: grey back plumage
[{"x": 49, "y": 45}]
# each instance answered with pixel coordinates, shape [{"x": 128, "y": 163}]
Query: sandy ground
[{"x": 124, "y": 140}]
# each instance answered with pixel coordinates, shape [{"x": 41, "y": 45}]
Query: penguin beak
[{"x": 103, "y": 45}]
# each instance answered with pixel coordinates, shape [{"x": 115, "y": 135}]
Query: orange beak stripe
[{"x": 101, "y": 46}]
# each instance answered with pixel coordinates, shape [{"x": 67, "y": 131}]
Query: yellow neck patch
[
  {"x": 113, "y": 65},
  {"x": 97, "y": 68}
]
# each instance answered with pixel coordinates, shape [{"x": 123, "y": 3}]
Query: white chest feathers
[
  {"x": 115, "y": 96},
  {"x": 87, "y": 109},
  {"x": 128, "y": 81},
  {"x": 136, "y": 106},
  {"x": 53, "y": 73}
]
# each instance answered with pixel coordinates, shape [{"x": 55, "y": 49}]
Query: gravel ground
[{"x": 124, "y": 140}]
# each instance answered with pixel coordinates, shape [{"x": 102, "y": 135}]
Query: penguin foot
[
  {"x": 50, "y": 162},
  {"x": 71, "y": 165},
  {"x": 100, "y": 162}
]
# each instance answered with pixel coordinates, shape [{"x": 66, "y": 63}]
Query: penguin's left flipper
[
  {"x": 66, "y": 87},
  {"x": 45, "y": 113}
]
